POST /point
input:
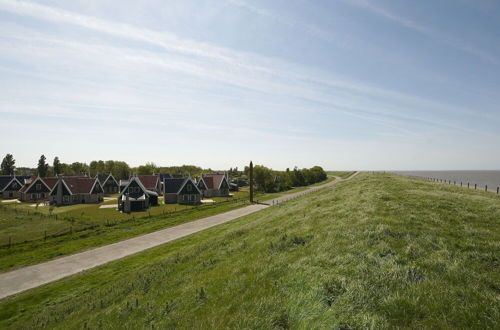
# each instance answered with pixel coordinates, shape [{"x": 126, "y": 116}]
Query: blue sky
[{"x": 345, "y": 84}]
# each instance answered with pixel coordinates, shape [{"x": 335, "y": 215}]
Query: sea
[{"x": 481, "y": 178}]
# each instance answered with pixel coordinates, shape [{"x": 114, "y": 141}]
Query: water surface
[{"x": 481, "y": 178}]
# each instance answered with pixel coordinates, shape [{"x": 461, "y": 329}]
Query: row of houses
[{"x": 137, "y": 193}]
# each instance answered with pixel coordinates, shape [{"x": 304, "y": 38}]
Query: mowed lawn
[
  {"x": 21, "y": 222},
  {"x": 379, "y": 251}
]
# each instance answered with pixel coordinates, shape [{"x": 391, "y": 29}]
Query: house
[
  {"x": 135, "y": 197},
  {"x": 122, "y": 184},
  {"x": 151, "y": 182},
  {"x": 108, "y": 183},
  {"x": 36, "y": 189},
  {"x": 233, "y": 186},
  {"x": 181, "y": 190},
  {"x": 214, "y": 185},
  {"x": 10, "y": 186},
  {"x": 76, "y": 190},
  {"x": 163, "y": 176}
]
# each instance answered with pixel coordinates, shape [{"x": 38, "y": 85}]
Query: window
[
  {"x": 38, "y": 186},
  {"x": 189, "y": 188},
  {"x": 42, "y": 195},
  {"x": 14, "y": 185},
  {"x": 66, "y": 199}
]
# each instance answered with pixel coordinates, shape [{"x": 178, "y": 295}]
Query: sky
[{"x": 344, "y": 84}]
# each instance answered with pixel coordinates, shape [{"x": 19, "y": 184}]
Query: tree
[
  {"x": 147, "y": 169},
  {"x": 8, "y": 167},
  {"x": 42, "y": 167},
  {"x": 79, "y": 168},
  {"x": 56, "y": 166}
]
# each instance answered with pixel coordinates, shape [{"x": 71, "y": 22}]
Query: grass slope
[
  {"x": 379, "y": 251},
  {"x": 341, "y": 174}
]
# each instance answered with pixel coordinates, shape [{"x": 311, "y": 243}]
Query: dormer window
[{"x": 38, "y": 186}]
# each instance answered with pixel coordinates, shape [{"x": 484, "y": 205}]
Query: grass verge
[{"x": 380, "y": 251}]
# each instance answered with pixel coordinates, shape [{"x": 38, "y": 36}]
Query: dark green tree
[
  {"x": 42, "y": 167},
  {"x": 8, "y": 166},
  {"x": 56, "y": 166}
]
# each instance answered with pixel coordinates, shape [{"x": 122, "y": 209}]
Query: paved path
[{"x": 33, "y": 276}]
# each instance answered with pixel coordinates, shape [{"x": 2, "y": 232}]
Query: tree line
[
  {"x": 119, "y": 169},
  {"x": 269, "y": 180}
]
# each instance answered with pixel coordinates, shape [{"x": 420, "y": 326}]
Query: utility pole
[{"x": 251, "y": 182}]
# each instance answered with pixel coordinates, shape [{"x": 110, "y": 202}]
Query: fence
[
  {"x": 76, "y": 227},
  {"x": 462, "y": 183}
]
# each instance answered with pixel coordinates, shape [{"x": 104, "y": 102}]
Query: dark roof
[
  {"x": 21, "y": 178},
  {"x": 163, "y": 176},
  {"x": 149, "y": 181},
  {"x": 5, "y": 180},
  {"x": 79, "y": 175},
  {"x": 102, "y": 177},
  {"x": 173, "y": 185},
  {"x": 79, "y": 185}
]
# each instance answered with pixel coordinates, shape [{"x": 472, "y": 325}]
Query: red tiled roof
[
  {"x": 50, "y": 182},
  {"x": 149, "y": 181},
  {"x": 213, "y": 180},
  {"x": 79, "y": 185}
]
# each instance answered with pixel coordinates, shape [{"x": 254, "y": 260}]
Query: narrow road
[{"x": 33, "y": 276}]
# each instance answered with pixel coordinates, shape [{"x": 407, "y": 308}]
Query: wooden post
[
  {"x": 486, "y": 188},
  {"x": 468, "y": 185},
  {"x": 475, "y": 186},
  {"x": 498, "y": 189},
  {"x": 251, "y": 182}
]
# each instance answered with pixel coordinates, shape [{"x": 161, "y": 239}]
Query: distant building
[
  {"x": 36, "y": 189},
  {"x": 181, "y": 190},
  {"x": 135, "y": 197},
  {"x": 108, "y": 183},
  {"x": 76, "y": 190},
  {"x": 214, "y": 185}
]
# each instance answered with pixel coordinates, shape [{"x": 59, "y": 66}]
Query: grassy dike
[{"x": 378, "y": 251}]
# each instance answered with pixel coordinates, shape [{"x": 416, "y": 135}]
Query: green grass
[
  {"x": 380, "y": 251},
  {"x": 23, "y": 222},
  {"x": 73, "y": 228},
  {"x": 341, "y": 174}
]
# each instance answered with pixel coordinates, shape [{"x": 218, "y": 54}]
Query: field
[
  {"x": 31, "y": 235},
  {"x": 21, "y": 222},
  {"x": 379, "y": 251}
]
